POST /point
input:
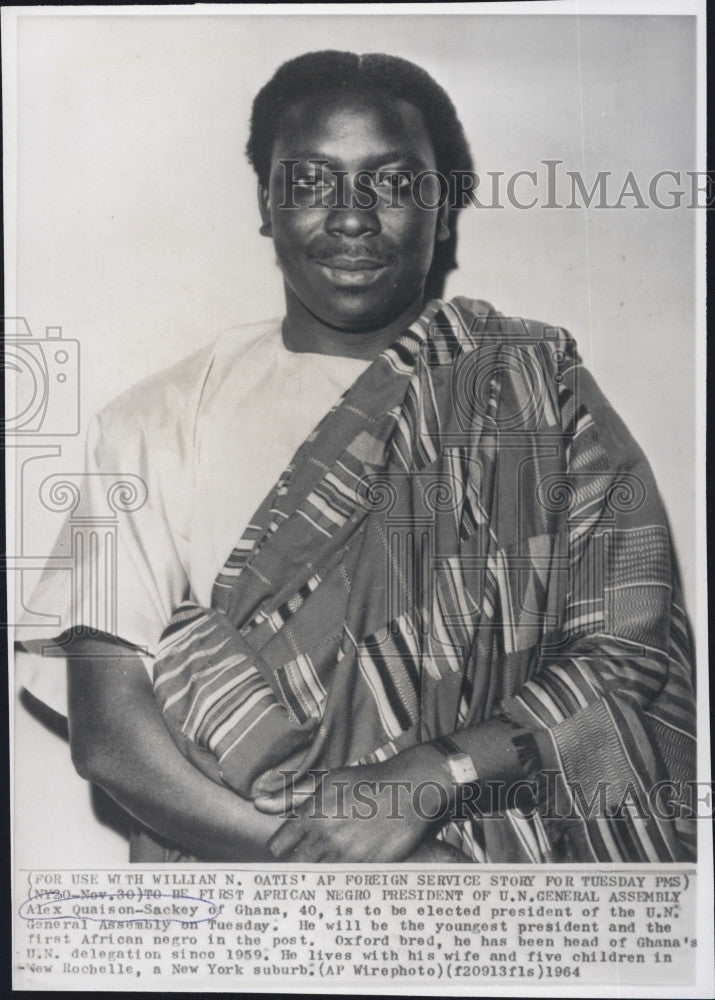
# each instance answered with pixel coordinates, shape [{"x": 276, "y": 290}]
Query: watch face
[{"x": 462, "y": 768}]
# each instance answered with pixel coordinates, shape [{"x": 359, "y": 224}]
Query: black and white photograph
[{"x": 355, "y": 422}]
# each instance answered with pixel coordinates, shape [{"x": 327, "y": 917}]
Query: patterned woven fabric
[{"x": 470, "y": 532}]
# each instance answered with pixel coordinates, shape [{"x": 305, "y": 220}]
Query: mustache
[{"x": 350, "y": 251}]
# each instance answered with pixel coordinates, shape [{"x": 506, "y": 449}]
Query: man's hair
[{"x": 317, "y": 74}]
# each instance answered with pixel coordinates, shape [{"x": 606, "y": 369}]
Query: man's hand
[{"x": 372, "y": 812}]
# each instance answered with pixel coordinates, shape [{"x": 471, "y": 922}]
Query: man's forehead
[{"x": 353, "y": 123}]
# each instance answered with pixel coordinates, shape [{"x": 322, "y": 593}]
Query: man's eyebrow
[
  {"x": 370, "y": 162},
  {"x": 307, "y": 154},
  {"x": 394, "y": 156}
]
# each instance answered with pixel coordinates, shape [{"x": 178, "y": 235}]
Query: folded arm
[
  {"x": 119, "y": 741},
  {"x": 391, "y": 810}
]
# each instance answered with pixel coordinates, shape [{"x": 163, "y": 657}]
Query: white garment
[{"x": 209, "y": 437}]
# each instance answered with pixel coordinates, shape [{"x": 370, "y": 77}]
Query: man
[{"x": 460, "y": 583}]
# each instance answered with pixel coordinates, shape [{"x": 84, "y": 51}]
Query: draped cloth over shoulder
[{"x": 472, "y": 532}]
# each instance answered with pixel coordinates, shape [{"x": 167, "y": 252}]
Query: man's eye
[
  {"x": 309, "y": 182},
  {"x": 396, "y": 181}
]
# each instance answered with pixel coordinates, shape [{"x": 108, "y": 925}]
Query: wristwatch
[{"x": 461, "y": 765}]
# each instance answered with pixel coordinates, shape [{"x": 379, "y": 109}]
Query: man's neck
[{"x": 304, "y": 333}]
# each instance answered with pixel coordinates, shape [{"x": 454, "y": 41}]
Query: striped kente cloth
[{"x": 471, "y": 532}]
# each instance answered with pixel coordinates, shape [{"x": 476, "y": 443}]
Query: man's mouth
[
  {"x": 352, "y": 263},
  {"x": 352, "y": 271}
]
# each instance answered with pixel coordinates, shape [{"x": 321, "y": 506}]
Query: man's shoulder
[
  {"x": 481, "y": 322},
  {"x": 174, "y": 394}
]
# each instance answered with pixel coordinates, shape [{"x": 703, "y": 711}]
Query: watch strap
[
  {"x": 447, "y": 746},
  {"x": 461, "y": 765}
]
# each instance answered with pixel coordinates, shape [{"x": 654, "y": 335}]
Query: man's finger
[
  {"x": 286, "y": 801},
  {"x": 286, "y": 839},
  {"x": 311, "y": 849},
  {"x": 276, "y": 805}
]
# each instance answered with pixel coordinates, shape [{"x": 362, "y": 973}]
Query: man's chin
[{"x": 357, "y": 314}]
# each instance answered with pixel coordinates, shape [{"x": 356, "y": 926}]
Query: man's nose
[{"x": 349, "y": 219}]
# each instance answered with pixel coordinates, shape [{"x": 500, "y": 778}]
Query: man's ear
[
  {"x": 265, "y": 229},
  {"x": 443, "y": 231}
]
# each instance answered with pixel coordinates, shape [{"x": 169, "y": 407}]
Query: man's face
[{"x": 353, "y": 244}]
